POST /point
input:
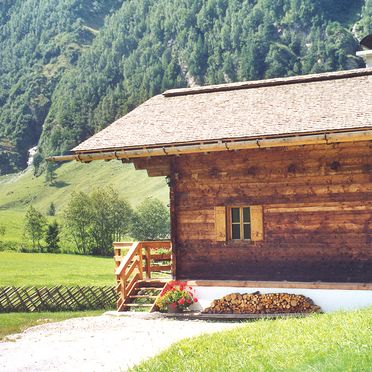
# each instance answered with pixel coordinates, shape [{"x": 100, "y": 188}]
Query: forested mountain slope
[
  {"x": 69, "y": 68},
  {"x": 40, "y": 40}
]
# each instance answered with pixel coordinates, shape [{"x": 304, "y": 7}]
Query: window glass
[
  {"x": 246, "y": 215},
  {"x": 247, "y": 231},
  {"x": 235, "y": 232},
  {"x": 235, "y": 215}
]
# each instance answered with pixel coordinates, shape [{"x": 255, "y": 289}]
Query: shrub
[
  {"x": 96, "y": 220},
  {"x": 150, "y": 221},
  {"x": 34, "y": 226}
]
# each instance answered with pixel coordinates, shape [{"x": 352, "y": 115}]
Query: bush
[
  {"x": 96, "y": 220},
  {"x": 34, "y": 227},
  {"x": 150, "y": 221}
]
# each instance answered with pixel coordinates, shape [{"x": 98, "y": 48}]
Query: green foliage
[
  {"x": 150, "y": 221},
  {"x": 51, "y": 209},
  {"x": 111, "y": 217},
  {"x": 50, "y": 173},
  {"x": 2, "y": 230},
  {"x": 39, "y": 41},
  {"x": 2, "y": 233},
  {"x": 52, "y": 237},
  {"x": 77, "y": 219},
  {"x": 71, "y": 67},
  {"x": 96, "y": 220},
  {"x": 339, "y": 341},
  {"x": 34, "y": 226}
]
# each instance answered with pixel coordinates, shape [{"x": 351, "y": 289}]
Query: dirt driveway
[{"x": 103, "y": 343}]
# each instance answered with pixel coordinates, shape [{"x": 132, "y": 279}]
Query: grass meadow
[{"x": 47, "y": 269}]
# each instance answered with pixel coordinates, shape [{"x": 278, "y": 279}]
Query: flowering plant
[{"x": 178, "y": 294}]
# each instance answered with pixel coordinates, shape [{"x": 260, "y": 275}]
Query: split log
[{"x": 257, "y": 303}]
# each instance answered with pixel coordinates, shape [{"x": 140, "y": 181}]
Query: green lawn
[
  {"x": 323, "y": 342},
  {"x": 45, "y": 269},
  {"x": 18, "y": 322}
]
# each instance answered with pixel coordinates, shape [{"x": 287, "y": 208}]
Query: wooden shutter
[
  {"x": 257, "y": 233},
  {"x": 220, "y": 223}
]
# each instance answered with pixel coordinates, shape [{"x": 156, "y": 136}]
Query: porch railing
[{"x": 138, "y": 261}]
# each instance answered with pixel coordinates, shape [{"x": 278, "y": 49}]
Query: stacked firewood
[{"x": 257, "y": 303}]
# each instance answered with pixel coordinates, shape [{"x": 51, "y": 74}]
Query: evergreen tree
[
  {"x": 52, "y": 237},
  {"x": 51, "y": 209}
]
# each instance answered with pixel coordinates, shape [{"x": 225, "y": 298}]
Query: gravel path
[{"x": 104, "y": 343}]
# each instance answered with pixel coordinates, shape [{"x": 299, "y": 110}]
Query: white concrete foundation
[{"x": 327, "y": 299}]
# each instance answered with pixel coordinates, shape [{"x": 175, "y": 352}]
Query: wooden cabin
[{"x": 270, "y": 181}]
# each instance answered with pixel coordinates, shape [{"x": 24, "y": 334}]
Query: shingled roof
[{"x": 309, "y": 104}]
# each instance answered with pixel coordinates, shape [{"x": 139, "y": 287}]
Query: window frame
[{"x": 241, "y": 223}]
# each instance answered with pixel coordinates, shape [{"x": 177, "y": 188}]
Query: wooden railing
[{"x": 141, "y": 260}]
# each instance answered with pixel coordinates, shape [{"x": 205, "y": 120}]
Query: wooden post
[
  {"x": 140, "y": 260},
  {"x": 123, "y": 291},
  {"x": 173, "y": 218},
  {"x": 148, "y": 261}
]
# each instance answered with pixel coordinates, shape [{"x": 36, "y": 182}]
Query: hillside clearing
[{"x": 18, "y": 191}]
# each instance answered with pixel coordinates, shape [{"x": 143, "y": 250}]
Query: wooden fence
[{"x": 58, "y": 298}]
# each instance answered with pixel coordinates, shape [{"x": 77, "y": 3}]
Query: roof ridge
[{"x": 335, "y": 75}]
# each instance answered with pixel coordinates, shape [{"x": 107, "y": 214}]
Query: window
[
  {"x": 240, "y": 218},
  {"x": 239, "y": 223}
]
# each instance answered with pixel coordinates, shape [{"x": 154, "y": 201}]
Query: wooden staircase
[
  {"x": 144, "y": 295},
  {"x": 137, "y": 290}
]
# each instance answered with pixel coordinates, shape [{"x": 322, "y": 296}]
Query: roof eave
[{"x": 124, "y": 154}]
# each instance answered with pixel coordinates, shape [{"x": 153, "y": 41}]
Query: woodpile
[{"x": 257, "y": 303}]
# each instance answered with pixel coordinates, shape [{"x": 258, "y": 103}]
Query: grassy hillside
[{"x": 18, "y": 191}]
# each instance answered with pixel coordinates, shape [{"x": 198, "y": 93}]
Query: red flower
[
  {"x": 195, "y": 299},
  {"x": 182, "y": 287},
  {"x": 181, "y": 301},
  {"x": 188, "y": 301}
]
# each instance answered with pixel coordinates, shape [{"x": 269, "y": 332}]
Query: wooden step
[
  {"x": 138, "y": 305},
  {"x": 148, "y": 289},
  {"x": 152, "y": 283},
  {"x": 143, "y": 296}
]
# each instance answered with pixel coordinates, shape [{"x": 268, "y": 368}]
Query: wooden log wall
[{"x": 317, "y": 212}]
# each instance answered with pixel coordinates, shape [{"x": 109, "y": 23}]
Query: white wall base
[{"x": 327, "y": 299}]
